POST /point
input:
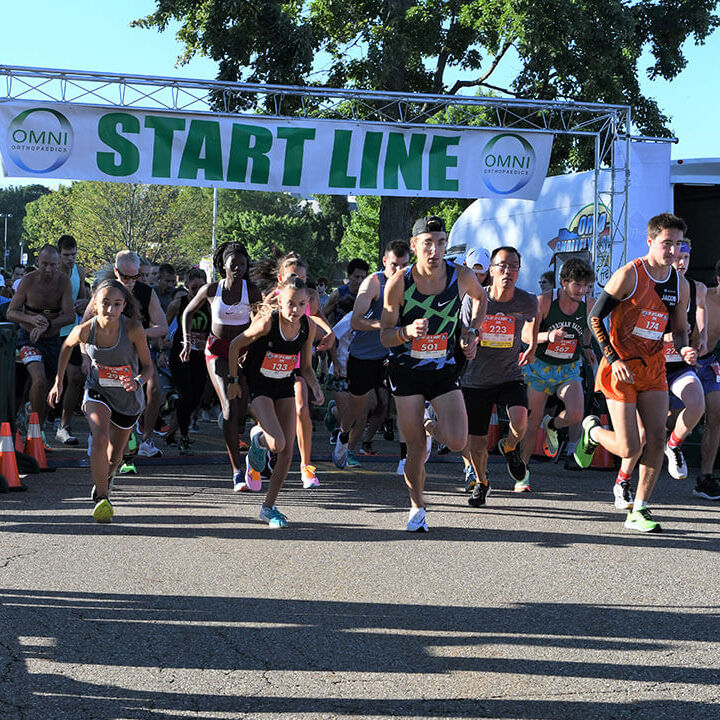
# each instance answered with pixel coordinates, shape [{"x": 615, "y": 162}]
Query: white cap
[{"x": 478, "y": 256}]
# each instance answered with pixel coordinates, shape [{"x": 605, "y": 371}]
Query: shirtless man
[
  {"x": 341, "y": 301},
  {"x": 708, "y": 370},
  {"x": 42, "y": 304}
]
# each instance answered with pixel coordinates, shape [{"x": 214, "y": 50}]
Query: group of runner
[{"x": 450, "y": 342}]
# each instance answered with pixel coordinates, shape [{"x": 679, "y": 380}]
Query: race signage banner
[{"x": 298, "y": 155}]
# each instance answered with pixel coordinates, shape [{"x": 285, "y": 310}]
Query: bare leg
[
  {"x": 689, "y": 389},
  {"x": 98, "y": 417},
  {"x": 282, "y": 435},
  {"x": 74, "y": 381},
  {"x": 304, "y": 422},
  {"x": 451, "y": 428},
  {"x": 154, "y": 402},
  {"x": 536, "y": 401},
  {"x": 217, "y": 370},
  {"x": 652, "y": 408},
  {"x": 38, "y": 390},
  {"x": 411, "y": 410}
]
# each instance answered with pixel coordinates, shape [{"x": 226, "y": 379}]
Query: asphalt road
[{"x": 537, "y": 606}]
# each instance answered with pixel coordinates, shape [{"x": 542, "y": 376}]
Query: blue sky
[{"x": 82, "y": 35}]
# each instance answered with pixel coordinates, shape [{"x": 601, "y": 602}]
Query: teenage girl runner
[
  {"x": 230, "y": 300},
  {"x": 275, "y": 343},
  {"x": 189, "y": 377},
  {"x": 116, "y": 344}
]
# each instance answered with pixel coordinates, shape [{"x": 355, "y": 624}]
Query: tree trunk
[{"x": 397, "y": 215}]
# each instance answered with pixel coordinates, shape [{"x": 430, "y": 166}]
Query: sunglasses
[{"x": 123, "y": 276}]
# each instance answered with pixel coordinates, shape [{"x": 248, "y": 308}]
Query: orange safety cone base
[
  {"x": 34, "y": 442},
  {"x": 8, "y": 463}
]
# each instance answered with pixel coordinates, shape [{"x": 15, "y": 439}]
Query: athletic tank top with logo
[
  {"x": 437, "y": 349},
  {"x": 567, "y": 350},
  {"x": 109, "y": 366},
  {"x": 199, "y": 328},
  {"x": 273, "y": 358},
  {"x": 638, "y": 323},
  {"x": 366, "y": 344},
  {"x": 673, "y": 361}
]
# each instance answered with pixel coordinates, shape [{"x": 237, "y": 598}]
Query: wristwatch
[
  {"x": 231, "y": 379},
  {"x": 472, "y": 331}
]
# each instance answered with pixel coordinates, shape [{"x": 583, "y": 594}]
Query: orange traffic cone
[
  {"x": 18, "y": 442},
  {"x": 8, "y": 463},
  {"x": 34, "y": 443},
  {"x": 603, "y": 459},
  {"x": 493, "y": 430}
]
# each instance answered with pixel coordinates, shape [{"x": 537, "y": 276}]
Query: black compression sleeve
[{"x": 601, "y": 309}]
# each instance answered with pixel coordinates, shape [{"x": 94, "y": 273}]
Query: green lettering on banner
[
  {"x": 400, "y": 159},
  {"x": 202, "y": 133},
  {"x": 165, "y": 128},
  {"x": 241, "y": 152},
  {"x": 370, "y": 159},
  {"x": 294, "y": 149},
  {"x": 339, "y": 161},
  {"x": 129, "y": 160},
  {"x": 440, "y": 161}
]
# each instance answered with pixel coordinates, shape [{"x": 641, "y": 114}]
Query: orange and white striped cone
[
  {"x": 493, "y": 430},
  {"x": 34, "y": 446},
  {"x": 19, "y": 445},
  {"x": 603, "y": 459},
  {"x": 8, "y": 463}
]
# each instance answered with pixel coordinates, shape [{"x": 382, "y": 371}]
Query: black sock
[{"x": 403, "y": 450}]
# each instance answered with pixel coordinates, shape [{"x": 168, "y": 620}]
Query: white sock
[
  {"x": 592, "y": 433},
  {"x": 639, "y": 505}
]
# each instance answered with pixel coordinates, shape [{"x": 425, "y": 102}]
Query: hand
[
  {"x": 35, "y": 334},
  {"x": 55, "y": 393},
  {"x": 702, "y": 348},
  {"x": 162, "y": 359},
  {"x": 40, "y": 321},
  {"x": 81, "y": 307},
  {"x": 318, "y": 395},
  {"x": 326, "y": 342},
  {"x": 556, "y": 335},
  {"x": 527, "y": 357},
  {"x": 689, "y": 355},
  {"x": 185, "y": 353},
  {"x": 234, "y": 391},
  {"x": 621, "y": 372},
  {"x": 468, "y": 344},
  {"x": 130, "y": 384},
  {"x": 418, "y": 328}
]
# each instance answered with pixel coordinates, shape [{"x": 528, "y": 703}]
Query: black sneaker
[
  {"x": 388, "y": 430},
  {"x": 707, "y": 487},
  {"x": 515, "y": 466},
  {"x": 480, "y": 491}
]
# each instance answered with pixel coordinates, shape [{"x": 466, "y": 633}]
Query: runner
[
  {"x": 640, "y": 298},
  {"x": 367, "y": 355},
  {"x": 230, "y": 300},
  {"x": 67, "y": 249},
  {"x": 563, "y": 335},
  {"x": 167, "y": 280},
  {"x": 190, "y": 375},
  {"x": 275, "y": 343},
  {"x": 42, "y": 304},
  {"x": 419, "y": 323},
  {"x": 116, "y": 343},
  {"x": 495, "y": 375},
  {"x": 341, "y": 301}
]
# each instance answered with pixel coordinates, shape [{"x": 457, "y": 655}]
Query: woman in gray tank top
[{"x": 116, "y": 344}]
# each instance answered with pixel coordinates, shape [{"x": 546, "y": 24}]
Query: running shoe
[
  {"x": 480, "y": 491},
  {"x": 309, "y": 478},
  {"x": 94, "y": 497},
  {"x": 677, "y": 467},
  {"x": 330, "y": 420},
  {"x": 194, "y": 426},
  {"x": 552, "y": 444},
  {"x": 103, "y": 510},
  {"x": 339, "y": 453},
  {"x": 45, "y": 443},
  {"x": 253, "y": 479},
  {"x": 334, "y": 436},
  {"x": 586, "y": 447},
  {"x": 239, "y": 484},
  {"x": 523, "y": 485},
  {"x": 256, "y": 452},
  {"x": 162, "y": 430},
  {"x": 707, "y": 487},
  {"x": 443, "y": 449},
  {"x": 388, "y": 431},
  {"x": 470, "y": 478},
  {"x": 185, "y": 446},
  {"x": 266, "y": 472},
  {"x": 242, "y": 445},
  {"x": 401, "y": 467},
  {"x": 149, "y": 449},
  {"x": 352, "y": 461},
  {"x": 642, "y": 521},
  {"x": 417, "y": 521},
  {"x": 127, "y": 468},
  {"x": 367, "y": 449},
  {"x": 132, "y": 444},
  {"x": 623, "y": 495},
  {"x": 273, "y": 517},
  {"x": 515, "y": 466},
  {"x": 64, "y": 436}
]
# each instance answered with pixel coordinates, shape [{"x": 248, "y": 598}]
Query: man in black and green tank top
[
  {"x": 420, "y": 324},
  {"x": 563, "y": 339}
]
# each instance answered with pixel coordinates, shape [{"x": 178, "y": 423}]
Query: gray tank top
[{"x": 109, "y": 365}]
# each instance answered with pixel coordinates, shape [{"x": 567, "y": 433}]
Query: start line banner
[{"x": 298, "y": 155}]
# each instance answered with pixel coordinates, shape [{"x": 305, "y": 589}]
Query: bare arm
[
  {"x": 700, "y": 318},
  {"x": 306, "y": 366},
  {"x": 259, "y": 327},
  {"x": 137, "y": 335},
  {"x": 679, "y": 325},
  {"x": 158, "y": 323},
  {"x": 532, "y": 327},
  {"x": 367, "y": 294}
]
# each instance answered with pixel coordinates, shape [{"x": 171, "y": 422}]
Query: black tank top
[
  {"x": 272, "y": 358},
  {"x": 199, "y": 328},
  {"x": 143, "y": 294}
]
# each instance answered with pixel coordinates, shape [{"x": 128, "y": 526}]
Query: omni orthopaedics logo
[
  {"x": 39, "y": 140},
  {"x": 507, "y": 163}
]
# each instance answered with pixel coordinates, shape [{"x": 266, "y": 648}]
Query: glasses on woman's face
[{"x": 507, "y": 267}]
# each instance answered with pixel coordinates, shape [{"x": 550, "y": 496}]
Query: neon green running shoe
[
  {"x": 586, "y": 447},
  {"x": 642, "y": 521},
  {"x": 127, "y": 468},
  {"x": 103, "y": 510},
  {"x": 132, "y": 444}
]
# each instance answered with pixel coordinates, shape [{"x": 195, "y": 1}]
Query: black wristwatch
[{"x": 231, "y": 379}]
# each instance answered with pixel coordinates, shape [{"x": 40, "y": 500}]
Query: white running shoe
[
  {"x": 62, "y": 434},
  {"x": 148, "y": 449},
  {"x": 623, "y": 495},
  {"x": 417, "y": 521},
  {"x": 339, "y": 453},
  {"x": 677, "y": 467}
]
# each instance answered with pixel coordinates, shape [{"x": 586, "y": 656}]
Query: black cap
[{"x": 433, "y": 223}]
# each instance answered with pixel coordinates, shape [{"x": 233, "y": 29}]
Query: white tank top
[{"x": 237, "y": 314}]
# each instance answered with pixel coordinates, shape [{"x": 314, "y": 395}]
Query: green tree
[
  {"x": 583, "y": 50},
  {"x": 15, "y": 200}
]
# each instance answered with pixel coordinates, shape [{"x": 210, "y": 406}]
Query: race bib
[
  {"x": 278, "y": 366},
  {"x": 498, "y": 331},
  {"x": 430, "y": 347},
  {"x": 670, "y": 353},
  {"x": 562, "y": 349},
  {"x": 651, "y": 324},
  {"x": 111, "y": 376},
  {"x": 198, "y": 340},
  {"x": 28, "y": 354}
]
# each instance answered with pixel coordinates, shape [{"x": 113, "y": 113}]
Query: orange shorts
[{"x": 649, "y": 374}]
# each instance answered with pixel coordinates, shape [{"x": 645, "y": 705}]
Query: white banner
[{"x": 79, "y": 142}]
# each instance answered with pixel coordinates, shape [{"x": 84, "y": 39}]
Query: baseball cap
[
  {"x": 478, "y": 256},
  {"x": 432, "y": 223}
]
